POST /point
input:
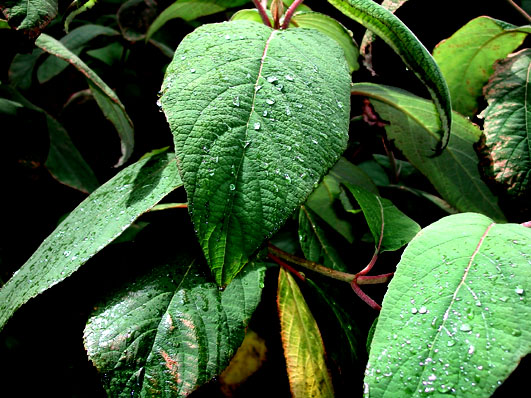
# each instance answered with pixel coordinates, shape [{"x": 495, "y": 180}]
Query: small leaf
[
  {"x": 21, "y": 69},
  {"x": 413, "y": 127},
  {"x": 333, "y": 29},
  {"x": 253, "y": 130},
  {"x": 398, "y": 36},
  {"x": 301, "y": 339},
  {"x": 106, "y": 98},
  {"x": 467, "y": 58},
  {"x": 91, "y": 226},
  {"x": 190, "y": 10},
  {"x": 135, "y": 17},
  {"x": 507, "y": 130},
  {"x": 455, "y": 318},
  {"x": 171, "y": 330},
  {"x": 29, "y": 16},
  {"x": 323, "y": 198},
  {"x": 314, "y": 243},
  {"x": 8, "y": 107},
  {"x": 75, "y": 41},
  {"x": 398, "y": 229}
]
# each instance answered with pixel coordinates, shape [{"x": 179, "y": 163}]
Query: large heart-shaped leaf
[
  {"x": 258, "y": 116},
  {"x": 507, "y": 125},
  {"x": 467, "y": 58},
  {"x": 91, "y": 226},
  {"x": 29, "y": 16},
  {"x": 413, "y": 126},
  {"x": 455, "y": 319},
  {"x": 171, "y": 330}
]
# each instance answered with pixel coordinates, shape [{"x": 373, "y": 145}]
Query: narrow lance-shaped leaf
[
  {"x": 301, "y": 339},
  {"x": 398, "y": 229},
  {"x": 106, "y": 98},
  {"x": 467, "y": 58},
  {"x": 507, "y": 123},
  {"x": 413, "y": 126},
  {"x": 398, "y": 36},
  {"x": 455, "y": 319},
  {"x": 91, "y": 226},
  {"x": 258, "y": 116},
  {"x": 29, "y": 16},
  {"x": 172, "y": 329}
]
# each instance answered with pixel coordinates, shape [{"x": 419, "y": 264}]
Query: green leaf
[
  {"x": 314, "y": 243},
  {"x": 398, "y": 36},
  {"x": 455, "y": 319},
  {"x": 253, "y": 129},
  {"x": 135, "y": 17},
  {"x": 29, "y": 16},
  {"x": 301, "y": 339},
  {"x": 171, "y": 330},
  {"x": 91, "y": 226},
  {"x": 8, "y": 107},
  {"x": 413, "y": 126},
  {"x": 190, "y": 10},
  {"x": 323, "y": 198},
  {"x": 76, "y": 41},
  {"x": 333, "y": 29},
  {"x": 21, "y": 68},
  {"x": 250, "y": 15},
  {"x": 467, "y": 58},
  {"x": 398, "y": 229},
  {"x": 106, "y": 98},
  {"x": 507, "y": 130}
]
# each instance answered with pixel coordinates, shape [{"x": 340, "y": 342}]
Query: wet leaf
[
  {"x": 301, "y": 339},
  {"x": 412, "y": 126},
  {"x": 398, "y": 229},
  {"x": 253, "y": 130},
  {"x": 507, "y": 130},
  {"x": 106, "y": 98},
  {"x": 172, "y": 329},
  {"x": 29, "y": 16},
  {"x": 455, "y": 318},
  {"x": 467, "y": 58},
  {"x": 91, "y": 226}
]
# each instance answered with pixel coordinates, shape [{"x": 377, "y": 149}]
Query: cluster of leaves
[{"x": 279, "y": 177}]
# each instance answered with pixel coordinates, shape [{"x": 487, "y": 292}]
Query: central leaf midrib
[{"x": 237, "y": 173}]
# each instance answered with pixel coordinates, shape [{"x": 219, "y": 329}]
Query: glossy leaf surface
[
  {"x": 413, "y": 126},
  {"x": 398, "y": 36},
  {"x": 29, "y": 16},
  {"x": 455, "y": 319},
  {"x": 106, "y": 98},
  {"x": 172, "y": 329},
  {"x": 91, "y": 226},
  {"x": 301, "y": 339},
  {"x": 467, "y": 58},
  {"x": 254, "y": 129},
  {"x": 507, "y": 123}
]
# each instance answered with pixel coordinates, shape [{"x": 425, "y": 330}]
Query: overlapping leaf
[
  {"x": 413, "y": 126},
  {"x": 254, "y": 129},
  {"x": 171, "y": 330},
  {"x": 106, "y": 98},
  {"x": 29, "y": 16},
  {"x": 467, "y": 58},
  {"x": 455, "y": 319},
  {"x": 301, "y": 339},
  {"x": 507, "y": 123},
  {"x": 91, "y": 226}
]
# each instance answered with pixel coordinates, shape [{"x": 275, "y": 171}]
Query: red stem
[
  {"x": 361, "y": 294},
  {"x": 290, "y": 12},
  {"x": 262, "y": 12},
  {"x": 287, "y": 267}
]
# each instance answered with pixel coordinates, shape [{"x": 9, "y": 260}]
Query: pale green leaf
[
  {"x": 507, "y": 125},
  {"x": 413, "y": 126},
  {"x": 29, "y": 16},
  {"x": 91, "y": 226},
  {"x": 254, "y": 130},
  {"x": 106, "y": 98},
  {"x": 455, "y": 318},
  {"x": 467, "y": 58},
  {"x": 172, "y": 329},
  {"x": 398, "y": 229},
  {"x": 302, "y": 343},
  {"x": 398, "y": 36}
]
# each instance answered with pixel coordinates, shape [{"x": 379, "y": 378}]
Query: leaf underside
[
  {"x": 455, "y": 318},
  {"x": 258, "y": 116}
]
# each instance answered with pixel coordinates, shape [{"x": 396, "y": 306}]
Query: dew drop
[
  {"x": 272, "y": 79},
  {"x": 270, "y": 101},
  {"x": 288, "y": 111},
  {"x": 465, "y": 327},
  {"x": 423, "y": 310},
  {"x": 192, "y": 70},
  {"x": 289, "y": 77},
  {"x": 519, "y": 290},
  {"x": 257, "y": 126},
  {"x": 236, "y": 100},
  {"x": 232, "y": 187},
  {"x": 414, "y": 310}
]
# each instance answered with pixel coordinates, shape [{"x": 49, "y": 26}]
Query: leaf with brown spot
[{"x": 29, "y": 16}]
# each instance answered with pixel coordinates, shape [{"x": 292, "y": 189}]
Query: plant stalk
[
  {"x": 290, "y": 12},
  {"x": 262, "y": 12},
  {"x": 520, "y": 10}
]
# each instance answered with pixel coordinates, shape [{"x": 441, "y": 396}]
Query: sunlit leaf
[{"x": 455, "y": 319}]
